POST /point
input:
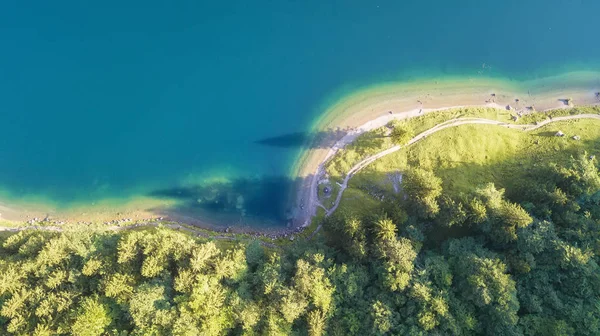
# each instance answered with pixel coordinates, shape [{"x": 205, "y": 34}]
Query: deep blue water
[{"x": 122, "y": 98}]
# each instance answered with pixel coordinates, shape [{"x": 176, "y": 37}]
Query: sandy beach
[{"x": 375, "y": 107}]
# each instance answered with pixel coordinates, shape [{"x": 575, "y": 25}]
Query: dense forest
[{"x": 522, "y": 261}]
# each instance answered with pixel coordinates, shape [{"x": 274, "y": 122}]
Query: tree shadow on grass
[{"x": 546, "y": 134}]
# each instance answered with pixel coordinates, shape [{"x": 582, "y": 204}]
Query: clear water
[{"x": 125, "y": 98}]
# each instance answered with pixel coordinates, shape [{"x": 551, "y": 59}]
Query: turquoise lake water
[{"x": 126, "y": 98}]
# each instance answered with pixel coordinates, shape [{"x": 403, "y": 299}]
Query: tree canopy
[{"x": 495, "y": 261}]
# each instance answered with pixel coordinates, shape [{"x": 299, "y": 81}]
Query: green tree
[
  {"x": 311, "y": 281},
  {"x": 384, "y": 229},
  {"x": 91, "y": 319},
  {"x": 580, "y": 177},
  {"x": 348, "y": 233},
  {"x": 451, "y": 212},
  {"x": 398, "y": 261},
  {"x": 422, "y": 189},
  {"x": 382, "y": 318},
  {"x": 150, "y": 309},
  {"x": 316, "y": 322},
  {"x": 402, "y": 133},
  {"x": 504, "y": 218},
  {"x": 482, "y": 280}
]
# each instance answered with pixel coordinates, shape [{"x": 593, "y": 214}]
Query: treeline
[{"x": 522, "y": 261}]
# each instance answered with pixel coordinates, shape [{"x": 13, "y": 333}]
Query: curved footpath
[{"x": 447, "y": 124}]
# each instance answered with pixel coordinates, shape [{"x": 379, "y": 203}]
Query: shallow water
[{"x": 204, "y": 102}]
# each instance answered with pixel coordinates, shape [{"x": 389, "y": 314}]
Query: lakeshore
[
  {"x": 351, "y": 116},
  {"x": 300, "y": 168}
]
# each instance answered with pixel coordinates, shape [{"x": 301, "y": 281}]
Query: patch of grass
[
  {"x": 363, "y": 146},
  {"x": 464, "y": 148},
  {"x": 357, "y": 202},
  {"x": 469, "y": 155},
  {"x": 328, "y": 201},
  {"x": 11, "y": 224},
  {"x": 375, "y": 141},
  {"x": 427, "y": 121},
  {"x": 225, "y": 244},
  {"x": 318, "y": 219},
  {"x": 377, "y": 184},
  {"x": 541, "y": 116}
]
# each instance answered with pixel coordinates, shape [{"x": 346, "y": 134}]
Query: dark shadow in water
[
  {"x": 297, "y": 139},
  {"x": 322, "y": 139},
  {"x": 270, "y": 202},
  {"x": 265, "y": 201}
]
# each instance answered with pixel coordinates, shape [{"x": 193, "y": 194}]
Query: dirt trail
[{"x": 450, "y": 123}]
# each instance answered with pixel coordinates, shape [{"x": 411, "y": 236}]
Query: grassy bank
[
  {"x": 377, "y": 140},
  {"x": 469, "y": 155}
]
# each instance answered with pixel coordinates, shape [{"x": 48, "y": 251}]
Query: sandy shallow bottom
[
  {"x": 135, "y": 211},
  {"x": 356, "y": 113}
]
